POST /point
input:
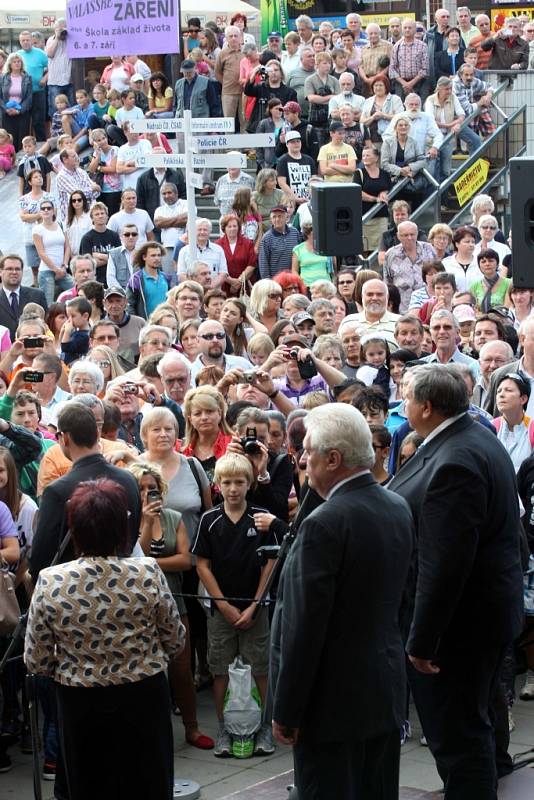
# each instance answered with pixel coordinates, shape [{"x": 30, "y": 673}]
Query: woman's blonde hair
[
  {"x": 207, "y": 397},
  {"x": 110, "y": 354},
  {"x": 162, "y": 311},
  {"x": 11, "y": 57},
  {"x": 263, "y": 176},
  {"x": 437, "y": 229},
  {"x": 233, "y": 464},
  {"x": 140, "y": 470},
  {"x": 154, "y": 417},
  {"x": 260, "y": 343},
  {"x": 259, "y": 296},
  {"x": 314, "y": 399}
]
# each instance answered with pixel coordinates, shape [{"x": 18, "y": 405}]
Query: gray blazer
[{"x": 412, "y": 155}]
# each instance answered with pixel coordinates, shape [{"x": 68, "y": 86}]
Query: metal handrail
[{"x": 441, "y": 188}]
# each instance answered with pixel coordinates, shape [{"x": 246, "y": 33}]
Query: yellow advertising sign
[
  {"x": 498, "y": 15},
  {"x": 471, "y": 181},
  {"x": 383, "y": 19}
]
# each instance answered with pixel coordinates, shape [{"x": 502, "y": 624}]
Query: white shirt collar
[
  {"x": 338, "y": 485},
  {"x": 9, "y": 291},
  {"x": 443, "y": 426}
]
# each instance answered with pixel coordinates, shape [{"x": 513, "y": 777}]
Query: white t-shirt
[
  {"x": 169, "y": 236},
  {"x": 119, "y": 79},
  {"x": 138, "y": 217},
  {"x": 128, "y": 152},
  {"x": 53, "y": 244},
  {"x": 24, "y": 523},
  {"x": 124, "y": 114}
]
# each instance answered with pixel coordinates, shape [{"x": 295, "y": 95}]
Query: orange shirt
[
  {"x": 54, "y": 464},
  {"x": 483, "y": 55}
]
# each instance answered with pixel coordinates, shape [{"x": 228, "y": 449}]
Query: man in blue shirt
[{"x": 36, "y": 65}]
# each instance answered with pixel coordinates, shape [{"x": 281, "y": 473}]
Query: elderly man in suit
[
  {"x": 13, "y": 296},
  {"x": 468, "y": 598},
  {"x": 338, "y": 615}
]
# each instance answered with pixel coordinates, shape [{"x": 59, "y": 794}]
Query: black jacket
[
  {"x": 338, "y": 605},
  {"x": 26, "y": 295},
  {"x": 52, "y": 520},
  {"x": 148, "y": 190},
  {"x": 462, "y": 490},
  {"x": 274, "y": 495},
  {"x": 263, "y": 93}
]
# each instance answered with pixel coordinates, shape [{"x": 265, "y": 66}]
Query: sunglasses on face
[
  {"x": 104, "y": 364},
  {"x": 208, "y": 337},
  {"x": 130, "y": 235},
  {"x": 47, "y": 208},
  {"x": 76, "y": 200}
]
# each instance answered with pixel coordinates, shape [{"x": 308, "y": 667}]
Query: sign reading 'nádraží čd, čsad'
[{"x": 116, "y": 27}]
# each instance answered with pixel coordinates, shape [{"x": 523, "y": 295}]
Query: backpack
[{"x": 497, "y": 422}]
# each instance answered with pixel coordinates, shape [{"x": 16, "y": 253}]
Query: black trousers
[
  {"x": 348, "y": 770},
  {"x": 116, "y": 741},
  {"x": 39, "y": 115},
  {"x": 18, "y": 126},
  {"x": 464, "y": 721}
]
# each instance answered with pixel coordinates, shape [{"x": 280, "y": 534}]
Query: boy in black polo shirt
[{"x": 227, "y": 565}]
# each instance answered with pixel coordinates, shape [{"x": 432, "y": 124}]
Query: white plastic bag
[{"x": 242, "y": 707}]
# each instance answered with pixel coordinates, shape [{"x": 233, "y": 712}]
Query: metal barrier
[{"x": 434, "y": 199}]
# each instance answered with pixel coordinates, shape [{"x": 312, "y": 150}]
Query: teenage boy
[
  {"x": 32, "y": 160},
  {"x": 227, "y": 565},
  {"x": 75, "y": 332}
]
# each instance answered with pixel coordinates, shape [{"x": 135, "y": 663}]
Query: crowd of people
[{"x": 199, "y": 382}]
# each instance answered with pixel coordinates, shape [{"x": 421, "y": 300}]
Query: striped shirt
[
  {"x": 408, "y": 60},
  {"x": 276, "y": 250},
  {"x": 59, "y": 64}
]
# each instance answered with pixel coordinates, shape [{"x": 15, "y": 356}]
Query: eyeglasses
[
  {"x": 274, "y": 296},
  {"x": 130, "y": 235},
  {"x": 103, "y": 364},
  {"x": 157, "y": 343},
  {"x": 210, "y": 336},
  {"x": 111, "y": 338},
  {"x": 489, "y": 227},
  {"x": 345, "y": 283},
  {"x": 516, "y": 376},
  {"x": 176, "y": 380},
  {"x": 47, "y": 208},
  {"x": 82, "y": 382},
  {"x": 76, "y": 200}
]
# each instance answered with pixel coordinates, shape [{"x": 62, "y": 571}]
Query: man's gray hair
[
  {"x": 89, "y": 400},
  {"x": 87, "y": 368},
  {"x": 251, "y": 416},
  {"x": 345, "y": 431},
  {"x": 347, "y": 75},
  {"x": 150, "y": 329},
  {"x": 441, "y": 385},
  {"x": 193, "y": 268},
  {"x": 298, "y": 300},
  {"x": 326, "y": 287},
  {"x": 327, "y": 342},
  {"x": 412, "y": 96},
  {"x": 444, "y": 314},
  {"x": 204, "y": 221},
  {"x": 505, "y": 347},
  {"x": 85, "y": 257},
  {"x": 170, "y": 359},
  {"x": 304, "y": 19},
  {"x": 321, "y": 302}
]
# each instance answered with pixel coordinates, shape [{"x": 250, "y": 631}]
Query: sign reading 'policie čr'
[{"x": 116, "y": 27}]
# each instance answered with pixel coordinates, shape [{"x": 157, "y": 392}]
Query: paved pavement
[{"x": 221, "y": 778}]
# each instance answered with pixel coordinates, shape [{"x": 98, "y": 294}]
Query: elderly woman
[
  {"x": 290, "y": 283},
  {"x": 107, "y": 648},
  {"x": 164, "y": 537},
  {"x": 15, "y": 99},
  {"x": 207, "y": 434},
  {"x": 106, "y": 360},
  {"x": 379, "y": 109},
  {"x": 491, "y": 290},
  {"x": 401, "y": 157},
  {"x": 329, "y": 348},
  {"x": 241, "y": 257},
  {"x": 487, "y": 228},
  {"x": 514, "y": 429},
  {"x": 85, "y": 377},
  {"x": 440, "y": 237},
  {"x": 483, "y": 204},
  {"x": 265, "y": 302}
]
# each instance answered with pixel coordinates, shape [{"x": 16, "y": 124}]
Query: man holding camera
[
  {"x": 59, "y": 65},
  {"x": 305, "y": 372}
]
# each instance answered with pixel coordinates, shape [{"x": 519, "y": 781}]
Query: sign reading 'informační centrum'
[{"x": 119, "y": 27}]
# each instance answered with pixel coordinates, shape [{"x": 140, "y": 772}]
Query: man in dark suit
[
  {"x": 338, "y": 664},
  {"x": 78, "y": 438},
  {"x": 468, "y": 599},
  {"x": 13, "y": 296}
]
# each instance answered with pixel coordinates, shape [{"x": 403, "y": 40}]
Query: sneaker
[
  {"x": 511, "y": 721},
  {"x": 5, "y": 762},
  {"x": 423, "y": 741},
  {"x": 264, "y": 745},
  {"x": 406, "y": 732},
  {"x": 49, "y": 771},
  {"x": 223, "y": 745},
  {"x": 527, "y": 692}
]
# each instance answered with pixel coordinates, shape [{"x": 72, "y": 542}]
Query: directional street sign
[
  {"x": 200, "y": 125},
  {"x": 216, "y": 141},
  {"x": 201, "y": 161}
]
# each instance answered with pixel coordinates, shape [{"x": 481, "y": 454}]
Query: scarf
[{"x": 486, "y": 300}]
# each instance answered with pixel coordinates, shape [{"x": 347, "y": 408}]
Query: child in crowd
[
  {"x": 409, "y": 447},
  {"x": 75, "y": 120},
  {"x": 397, "y": 363},
  {"x": 201, "y": 65},
  {"x": 99, "y": 116},
  {"x": 7, "y": 152},
  {"x": 381, "y": 446},
  {"x": 259, "y": 348},
  {"x": 32, "y": 160},
  {"x": 63, "y": 141},
  {"x": 74, "y": 338},
  {"x": 115, "y": 102},
  {"x": 228, "y": 566},
  {"x": 374, "y": 358},
  {"x": 373, "y": 404},
  {"x": 61, "y": 103}
]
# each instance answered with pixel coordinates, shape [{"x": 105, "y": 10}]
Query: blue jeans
[
  {"x": 47, "y": 696},
  {"x": 38, "y": 112},
  {"x": 444, "y": 160},
  {"x": 51, "y": 286},
  {"x": 53, "y": 92}
]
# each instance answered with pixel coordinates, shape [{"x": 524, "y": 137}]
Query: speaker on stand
[
  {"x": 522, "y": 210},
  {"x": 337, "y": 218}
]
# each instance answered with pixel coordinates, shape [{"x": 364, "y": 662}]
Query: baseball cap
[
  {"x": 464, "y": 313},
  {"x": 300, "y": 317},
  {"x": 336, "y": 126},
  {"x": 291, "y": 135},
  {"x": 118, "y": 290},
  {"x": 187, "y": 64},
  {"x": 278, "y": 208},
  {"x": 274, "y": 35},
  {"x": 293, "y": 107},
  {"x": 137, "y": 77},
  {"x": 295, "y": 338}
]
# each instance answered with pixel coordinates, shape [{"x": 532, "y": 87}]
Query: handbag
[{"x": 9, "y": 605}]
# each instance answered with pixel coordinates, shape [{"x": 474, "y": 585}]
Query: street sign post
[
  {"x": 216, "y": 141},
  {"x": 200, "y": 161},
  {"x": 198, "y": 125}
]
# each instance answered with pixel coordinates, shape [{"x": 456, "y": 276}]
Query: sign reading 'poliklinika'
[{"x": 119, "y": 27}]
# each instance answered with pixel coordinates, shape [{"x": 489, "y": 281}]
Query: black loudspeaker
[
  {"x": 522, "y": 207},
  {"x": 337, "y": 219}
]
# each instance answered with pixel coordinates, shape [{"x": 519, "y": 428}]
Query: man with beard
[
  {"x": 212, "y": 338},
  {"x": 375, "y": 316}
]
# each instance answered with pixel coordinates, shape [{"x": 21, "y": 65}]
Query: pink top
[
  {"x": 7, "y": 151},
  {"x": 15, "y": 89}
]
